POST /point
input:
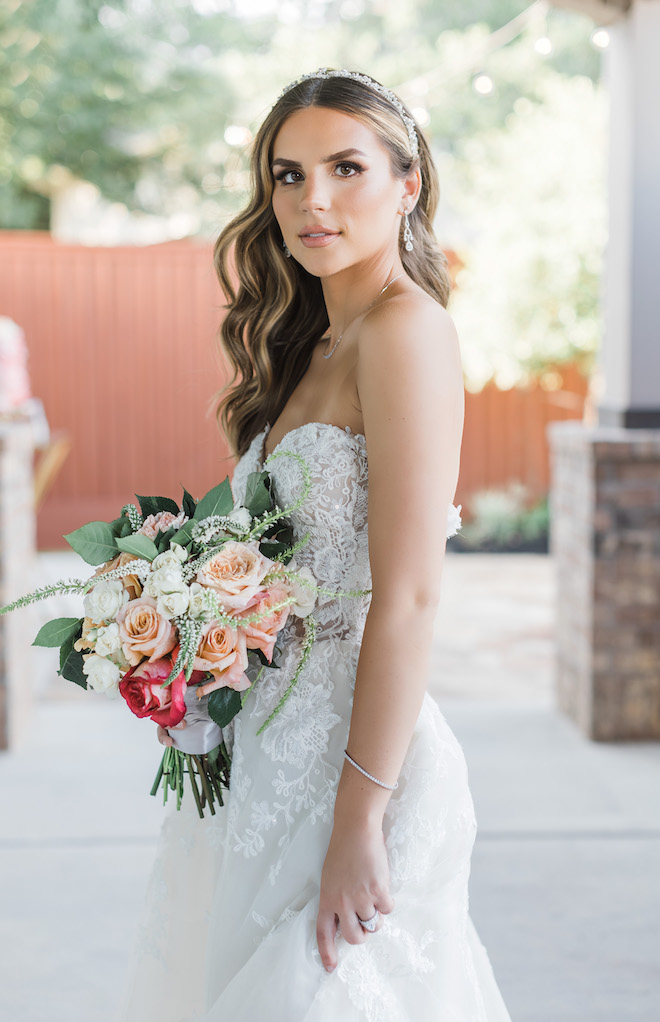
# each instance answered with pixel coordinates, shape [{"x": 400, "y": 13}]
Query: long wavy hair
[{"x": 275, "y": 312}]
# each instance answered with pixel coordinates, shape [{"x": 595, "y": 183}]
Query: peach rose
[
  {"x": 131, "y": 583},
  {"x": 144, "y": 632},
  {"x": 235, "y": 573},
  {"x": 161, "y": 522},
  {"x": 223, "y": 653},
  {"x": 263, "y": 634}
]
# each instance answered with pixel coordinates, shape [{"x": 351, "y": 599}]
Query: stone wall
[
  {"x": 17, "y": 562},
  {"x": 605, "y": 536}
]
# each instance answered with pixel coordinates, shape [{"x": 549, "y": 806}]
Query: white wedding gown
[{"x": 228, "y": 931}]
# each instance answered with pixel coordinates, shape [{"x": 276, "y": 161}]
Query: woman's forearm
[{"x": 392, "y": 677}]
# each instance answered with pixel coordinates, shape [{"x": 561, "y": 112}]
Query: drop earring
[
  {"x": 286, "y": 250},
  {"x": 407, "y": 234}
]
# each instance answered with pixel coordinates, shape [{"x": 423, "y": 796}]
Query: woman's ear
[{"x": 412, "y": 186}]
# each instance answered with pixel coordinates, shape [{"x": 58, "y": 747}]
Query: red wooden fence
[{"x": 123, "y": 355}]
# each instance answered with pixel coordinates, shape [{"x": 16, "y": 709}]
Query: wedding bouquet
[{"x": 182, "y": 600}]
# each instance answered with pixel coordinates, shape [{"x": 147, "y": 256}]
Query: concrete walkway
[{"x": 565, "y": 885}]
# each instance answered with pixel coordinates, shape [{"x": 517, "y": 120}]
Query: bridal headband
[{"x": 387, "y": 94}]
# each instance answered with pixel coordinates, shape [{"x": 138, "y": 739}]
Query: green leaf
[
  {"x": 224, "y": 704},
  {"x": 121, "y": 526},
  {"x": 184, "y": 535},
  {"x": 218, "y": 501},
  {"x": 262, "y": 658},
  {"x": 152, "y": 505},
  {"x": 72, "y": 668},
  {"x": 95, "y": 542},
  {"x": 257, "y": 495},
  {"x": 189, "y": 503},
  {"x": 272, "y": 550},
  {"x": 58, "y": 631},
  {"x": 163, "y": 538},
  {"x": 139, "y": 545}
]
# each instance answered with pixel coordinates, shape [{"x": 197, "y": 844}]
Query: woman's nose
[{"x": 315, "y": 193}]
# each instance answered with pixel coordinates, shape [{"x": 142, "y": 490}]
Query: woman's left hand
[{"x": 355, "y": 883}]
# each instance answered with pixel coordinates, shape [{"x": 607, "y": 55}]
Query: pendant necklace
[{"x": 361, "y": 313}]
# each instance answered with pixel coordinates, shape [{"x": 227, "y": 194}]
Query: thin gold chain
[{"x": 361, "y": 313}]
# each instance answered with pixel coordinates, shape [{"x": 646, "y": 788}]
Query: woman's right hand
[{"x": 163, "y": 737}]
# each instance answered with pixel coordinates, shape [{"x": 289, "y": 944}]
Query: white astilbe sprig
[
  {"x": 71, "y": 585},
  {"x": 135, "y": 518},
  {"x": 310, "y": 633},
  {"x": 295, "y": 576},
  {"x": 190, "y": 632},
  {"x": 208, "y": 529},
  {"x": 139, "y": 567},
  {"x": 261, "y": 523}
]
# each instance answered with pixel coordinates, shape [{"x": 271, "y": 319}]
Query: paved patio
[{"x": 565, "y": 889}]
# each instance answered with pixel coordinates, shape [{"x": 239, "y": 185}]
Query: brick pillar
[
  {"x": 17, "y": 559},
  {"x": 605, "y": 535}
]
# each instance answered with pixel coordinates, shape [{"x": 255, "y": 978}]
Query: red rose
[{"x": 142, "y": 689}]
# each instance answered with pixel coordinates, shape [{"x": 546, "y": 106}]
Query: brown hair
[{"x": 276, "y": 314}]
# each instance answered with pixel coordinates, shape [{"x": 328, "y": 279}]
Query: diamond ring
[{"x": 369, "y": 924}]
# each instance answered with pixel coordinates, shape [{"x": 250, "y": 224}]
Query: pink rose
[
  {"x": 142, "y": 688},
  {"x": 143, "y": 631},
  {"x": 235, "y": 574},
  {"x": 161, "y": 522},
  {"x": 223, "y": 653},
  {"x": 263, "y": 634}
]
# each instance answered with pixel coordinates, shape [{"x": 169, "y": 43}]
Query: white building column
[{"x": 630, "y": 354}]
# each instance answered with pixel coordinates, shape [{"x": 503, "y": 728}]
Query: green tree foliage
[{"x": 154, "y": 101}]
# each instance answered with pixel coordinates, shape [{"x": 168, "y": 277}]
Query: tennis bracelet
[{"x": 390, "y": 787}]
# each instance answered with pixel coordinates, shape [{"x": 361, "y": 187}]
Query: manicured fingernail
[{"x": 329, "y": 968}]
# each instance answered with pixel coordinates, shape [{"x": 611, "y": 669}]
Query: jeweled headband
[{"x": 387, "y": 94}]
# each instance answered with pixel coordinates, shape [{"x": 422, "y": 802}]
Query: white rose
[
  {"x": 102, "y": 675},
  {"x": 168, "y": 559},
  {"x": 197, "y": 604},
  {"x": 175, "y": 603},
  {"x": 241, "y": 516},
  {"x": 454, "y": 520},
  {"x": 102, "y": 603},
  {"x": 180, "y": 551},
  {"x": 107, "y": 639},
  {"x": 305, "y": 598},
  {"x": 164, "y": 580}
]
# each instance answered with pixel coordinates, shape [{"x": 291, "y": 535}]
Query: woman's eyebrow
[{"x": 344, "y": 154}]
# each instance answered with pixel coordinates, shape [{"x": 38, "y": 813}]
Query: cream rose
[
  {"x": 235, "y": 573},
  {"x": 107, "y": 639},
  {"x": 197, "y": 604},
  {"x": 305, "y": 598},
  {"x": 102, "y": 603},
  {"x": 175, "y": 603},
  {"x": 144, "y": 632},
  {"x": 168, "y": 559},
  {"x": 241, "y": 517},
  {"x": 164, "y": 580},
  {"x": 102, "y": 675}
]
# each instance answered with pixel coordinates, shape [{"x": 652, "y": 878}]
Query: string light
[
  {"x": 483, "y": 84},
  {"x": 600, "y": 38}
]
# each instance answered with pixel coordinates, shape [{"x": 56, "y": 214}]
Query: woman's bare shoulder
[{"x": 411, "y": 323}]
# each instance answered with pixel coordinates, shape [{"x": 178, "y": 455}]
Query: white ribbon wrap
[{"x": 201, "y": 734}]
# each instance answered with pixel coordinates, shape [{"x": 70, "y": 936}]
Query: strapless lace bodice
[{"x": 334, "y": 514}]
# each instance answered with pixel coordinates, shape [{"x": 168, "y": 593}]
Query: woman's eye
[
  {"x": 285, "y": 176},
  {"x": 348, "y": 169}
]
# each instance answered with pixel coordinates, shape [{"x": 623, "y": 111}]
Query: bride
[{"x": 334, "y": 883}]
